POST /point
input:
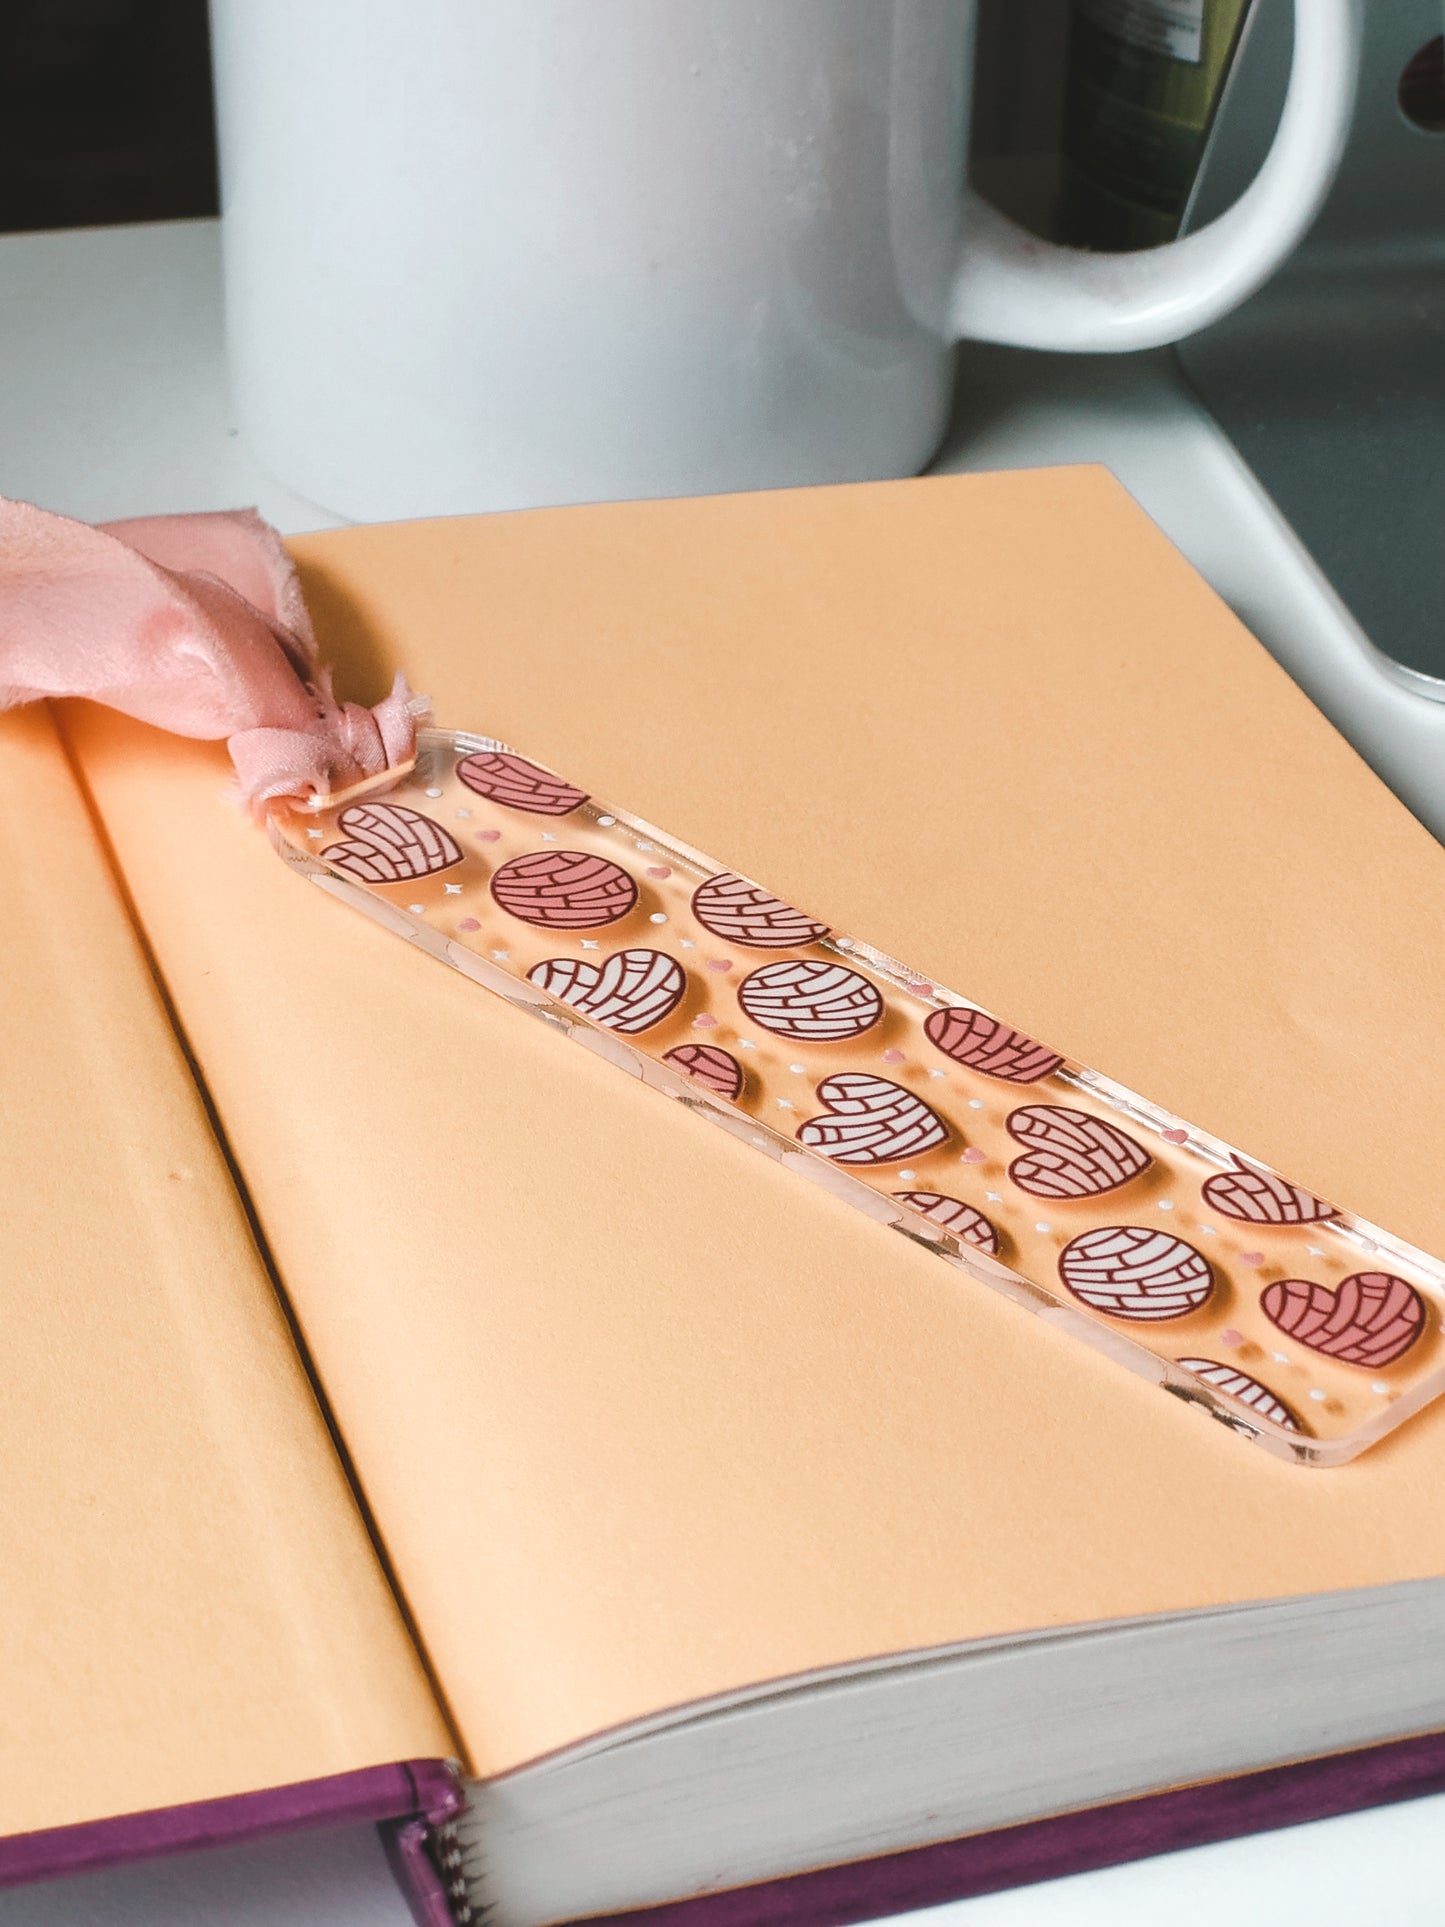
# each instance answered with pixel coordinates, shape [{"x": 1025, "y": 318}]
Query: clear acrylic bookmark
[{"x": 1294, "y": 1323}]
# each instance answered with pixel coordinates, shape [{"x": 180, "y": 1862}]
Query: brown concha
[
  {"x": 564, "y": 890},
  {"x": 709, "y": 1065},
  {"x": 981, "y": 1042},
  {"x": 505, "y": 778},
  {"x": 1371, "y": 1320}
]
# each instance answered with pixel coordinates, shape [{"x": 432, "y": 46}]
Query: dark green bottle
[{"x": 1145, "y": 78}]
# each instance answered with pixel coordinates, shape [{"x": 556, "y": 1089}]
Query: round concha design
[
  {"x": 1131, "y": 1272},
  {"x": 740, "y": 912},
  {"x": 564, "y": 890},
  {"x": 810, "y": 1000}
]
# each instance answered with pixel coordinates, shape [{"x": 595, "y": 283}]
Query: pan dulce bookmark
[{"x": 1293, "y": 1322}]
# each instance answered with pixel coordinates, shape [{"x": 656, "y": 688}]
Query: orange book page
[
  {"x": 192, "y": 1605},
  {"x": 641, "y": 1415}
]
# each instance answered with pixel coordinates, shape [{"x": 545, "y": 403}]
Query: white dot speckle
[
  {"x": 797, "y": 1069},
  {"x": 907, "y": 1177},
  {"x": 1041, "y": 1226},
  {"x": 1317, "y": 1394},
  {"x": 1280, "y": 1358},
  {"x": 843, "y": 943},
  {"x": 607, "y": 822},
  {"x": 643, "y": 844},
  {"x": 1166, "y": 1204},
  {"x": 975, "y": 1103},
  {"x": 417, "y": 909},
  {"x": 658, "y": 916},
  {"x": 433, "y": 792},
  {"x": 1379, "y": 1388}
]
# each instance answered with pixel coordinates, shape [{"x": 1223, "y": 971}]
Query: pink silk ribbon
[{"x": 195, "y": 623}]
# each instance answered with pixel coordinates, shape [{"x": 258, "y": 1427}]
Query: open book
[{"x": 392, "y": 1383}]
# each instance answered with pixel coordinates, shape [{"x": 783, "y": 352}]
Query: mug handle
[{"x": 1011, "y": 287}]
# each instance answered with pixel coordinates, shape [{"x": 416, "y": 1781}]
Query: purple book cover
[{"x": 409, "y": 1801}]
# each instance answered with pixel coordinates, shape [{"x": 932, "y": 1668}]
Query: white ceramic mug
[{"x": 491, "y": 253}]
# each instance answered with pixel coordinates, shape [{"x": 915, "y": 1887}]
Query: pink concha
[
  {"x": 738, "y": 911},
  {"x": 1130, "y": 1272},
  {"x": 871, "y": 1121},
  {"x": 955, "y": 1216},
  {"x": 389, "y": 843},
  {"x": 717, "y": 1070},
  {"x": 1237, "y": 1384},
  {"x": 629, "y": 992},
  {"x": 511, "y": 780},
  {"x": 564, "y": 890},
  {"x": 1259, "y": 1197},
  {"x": 984, "y": 1044},
  {"x": 810, "y": 1000},
  {"x": 1371, "y": 1320},
  {"x": 1072, "y": 1154}
]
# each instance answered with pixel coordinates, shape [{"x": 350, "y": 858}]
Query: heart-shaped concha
[
  {"x": 715, "y": 1069},
  {"x": 1071, "y": 1154},
  {"x": 564, "y": 890},
  {"x": 871, "y": 1121},
  {"x": 811, "y": 1000},
  {"x": 1259, "y": 1398},
  {"x": 504, "y": 778},
  {"x": 1131, "y": 1272},
  {"x": 955, "y": 1216},
  {"x": 739, "y": 912},
  {"x": 1371, "y": 1320},
  {"x": 389, "y": 843},
  {"x": 1259, "y": 1197},
  {"x": 629, "y": 991},
  {"x": 984, "y": 1044}
]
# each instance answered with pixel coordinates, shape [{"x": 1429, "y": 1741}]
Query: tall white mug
[{"x": 493, "y": 253}]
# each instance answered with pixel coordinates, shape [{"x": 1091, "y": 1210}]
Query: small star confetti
[
  {"x": 1280, "y": 1358},
  {"x": 417, "y": 909},
  {"x": 786, "y": 1104},
  {"x": 549, "y": 836},
  {"x": 501, "y": 956},
  {"x": 316, "y": 835},
  {"x": 933, "y": 1073},
  {"x": 688, "y": 943},
  {"x": 658, "y": 916},
  {"x": 994, "y": 1197},
  {"x": 1315, "y": 1251},
  {"x": 433, "y": 792},
  {"x": 643, "y": 844},
  {"x": 464, "y": 812},
  {"x": 746, "y": 1043},
  {"x": 453, "y": 889},
  {"x": 590, "y": 943},
  {"x": 1207, "y": 1229}
]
